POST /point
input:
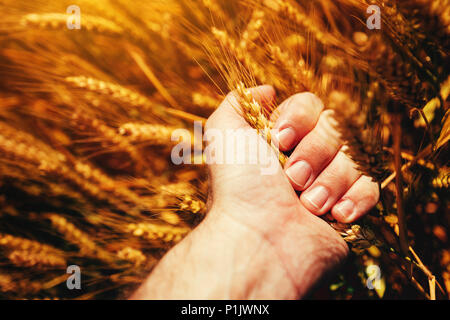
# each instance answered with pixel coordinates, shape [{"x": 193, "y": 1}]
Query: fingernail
[
  {"x": 286, "y": 138},
  {"x": 345, "y": 209},
  {"x": 317, "y": 197},
  {"x": 299, "y": 173}
]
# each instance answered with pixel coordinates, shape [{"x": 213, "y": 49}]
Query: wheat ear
[
  {"x": 133, "y": 255},
  {"x": 232, "y": 50},
  {"x": 76, "y": 236},
  {"x": 164, "y": 233},
  {"x": 150, "y": 134},
  {"x": 17, "y": 243},
  {"x": 36, "y": 260},
  {"x": 253, "y": 114},
  {"x": 252, "y": 32},
  {"x": 116, "y": 91}
]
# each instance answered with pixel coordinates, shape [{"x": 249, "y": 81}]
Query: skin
[{"x": 260, "y": 240}]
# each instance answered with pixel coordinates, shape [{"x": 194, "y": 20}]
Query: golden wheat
[
  {"x": 18, "y": 243},
  {"x": 37, "y": 260},
  {"x": 84, "y": 131},
  {"x": 232, "y": 51},
  {"x": 122, "y": 94},
  {"x": 133, "y": 255},
  {"x": 164, "y": 233},
  {"x": 150, "y": 134},
  {"x": 76, "y": 236}
]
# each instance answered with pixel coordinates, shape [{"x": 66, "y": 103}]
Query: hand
[{"x": 259, "y": 239}]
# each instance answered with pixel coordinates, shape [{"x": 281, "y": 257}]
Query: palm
[{"x": 269, "y": 206}]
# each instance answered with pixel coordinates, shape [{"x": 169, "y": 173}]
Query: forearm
[
  {"x": 218, "y": 260},
  {"x": 222, "y": 259}
]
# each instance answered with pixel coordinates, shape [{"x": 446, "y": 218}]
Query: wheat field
[{"x": 87, "y": 115}]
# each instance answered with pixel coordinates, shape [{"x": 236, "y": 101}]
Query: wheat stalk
[
  {"x": 109, "y": 134},
  {"x": 130, "y": 200}
]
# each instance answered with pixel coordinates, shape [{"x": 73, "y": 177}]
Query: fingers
[
  {"x": 297, "y": 116},
  {"x": 314, "y": 152},
  {"x": 332, "y": 183},
  {"x": 227, "y": 116},
  {"x": 358, "y": 200},
  {"x": 328, "y": 178}
]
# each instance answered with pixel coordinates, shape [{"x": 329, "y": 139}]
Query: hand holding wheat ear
[
  {"x": 261, "y": 216},
  {"x": 86, "y": 116}
]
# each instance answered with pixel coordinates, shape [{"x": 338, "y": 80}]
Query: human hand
[{"x": 259, "y": 239}]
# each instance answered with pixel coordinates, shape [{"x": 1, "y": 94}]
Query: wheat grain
[
  {"x": 109, "y": 134},
  {"x": 252, "y": 32},
  {"x": 191, "y": 205},
  {"x": 105, "y": 185},
  {"x": 360, "y": 237},
  {"x": 28, "y": 150},
  {"x": 133, "y": 255},
  {"x": 7, "y": 284},
  {"x": 285, "y": 65},
  {"x": 37, "y": 260},
  {"x": 253, "y": 114},
  {"x": 116, "y": 91},
  {"x": 294, "y": 13},
  {"x": 150, "y": 134},
  {"x": 22, "y": 244},
  {"x": 74, "y": 235},
  {"x": 442, "y": 180},
  {"x": 18, "y": 287},
  {"x": 232, "y": 51},
  {"x": 164, "y": 233}
]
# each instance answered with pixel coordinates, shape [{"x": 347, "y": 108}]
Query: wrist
[
  {"x": 224, "y": 258},
  {"x": 285, "y": 261},
  {"x": 249, "y": 264},
  {"x": 220, "y": 259}
]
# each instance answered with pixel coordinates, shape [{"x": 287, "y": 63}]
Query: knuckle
[
  {"x": 319, "y": 147},
  {"x": 310, "y": 100},
  {"x": 374, "y": 193},
  {"x": 347, "y": 162},
  {"x": 368, "y": 191},
  {"x": 326, "y": 131},
  {"x": 303, "y": 107}
]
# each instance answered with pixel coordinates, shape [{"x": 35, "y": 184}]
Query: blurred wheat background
[{"x": 86, "y": 118}]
